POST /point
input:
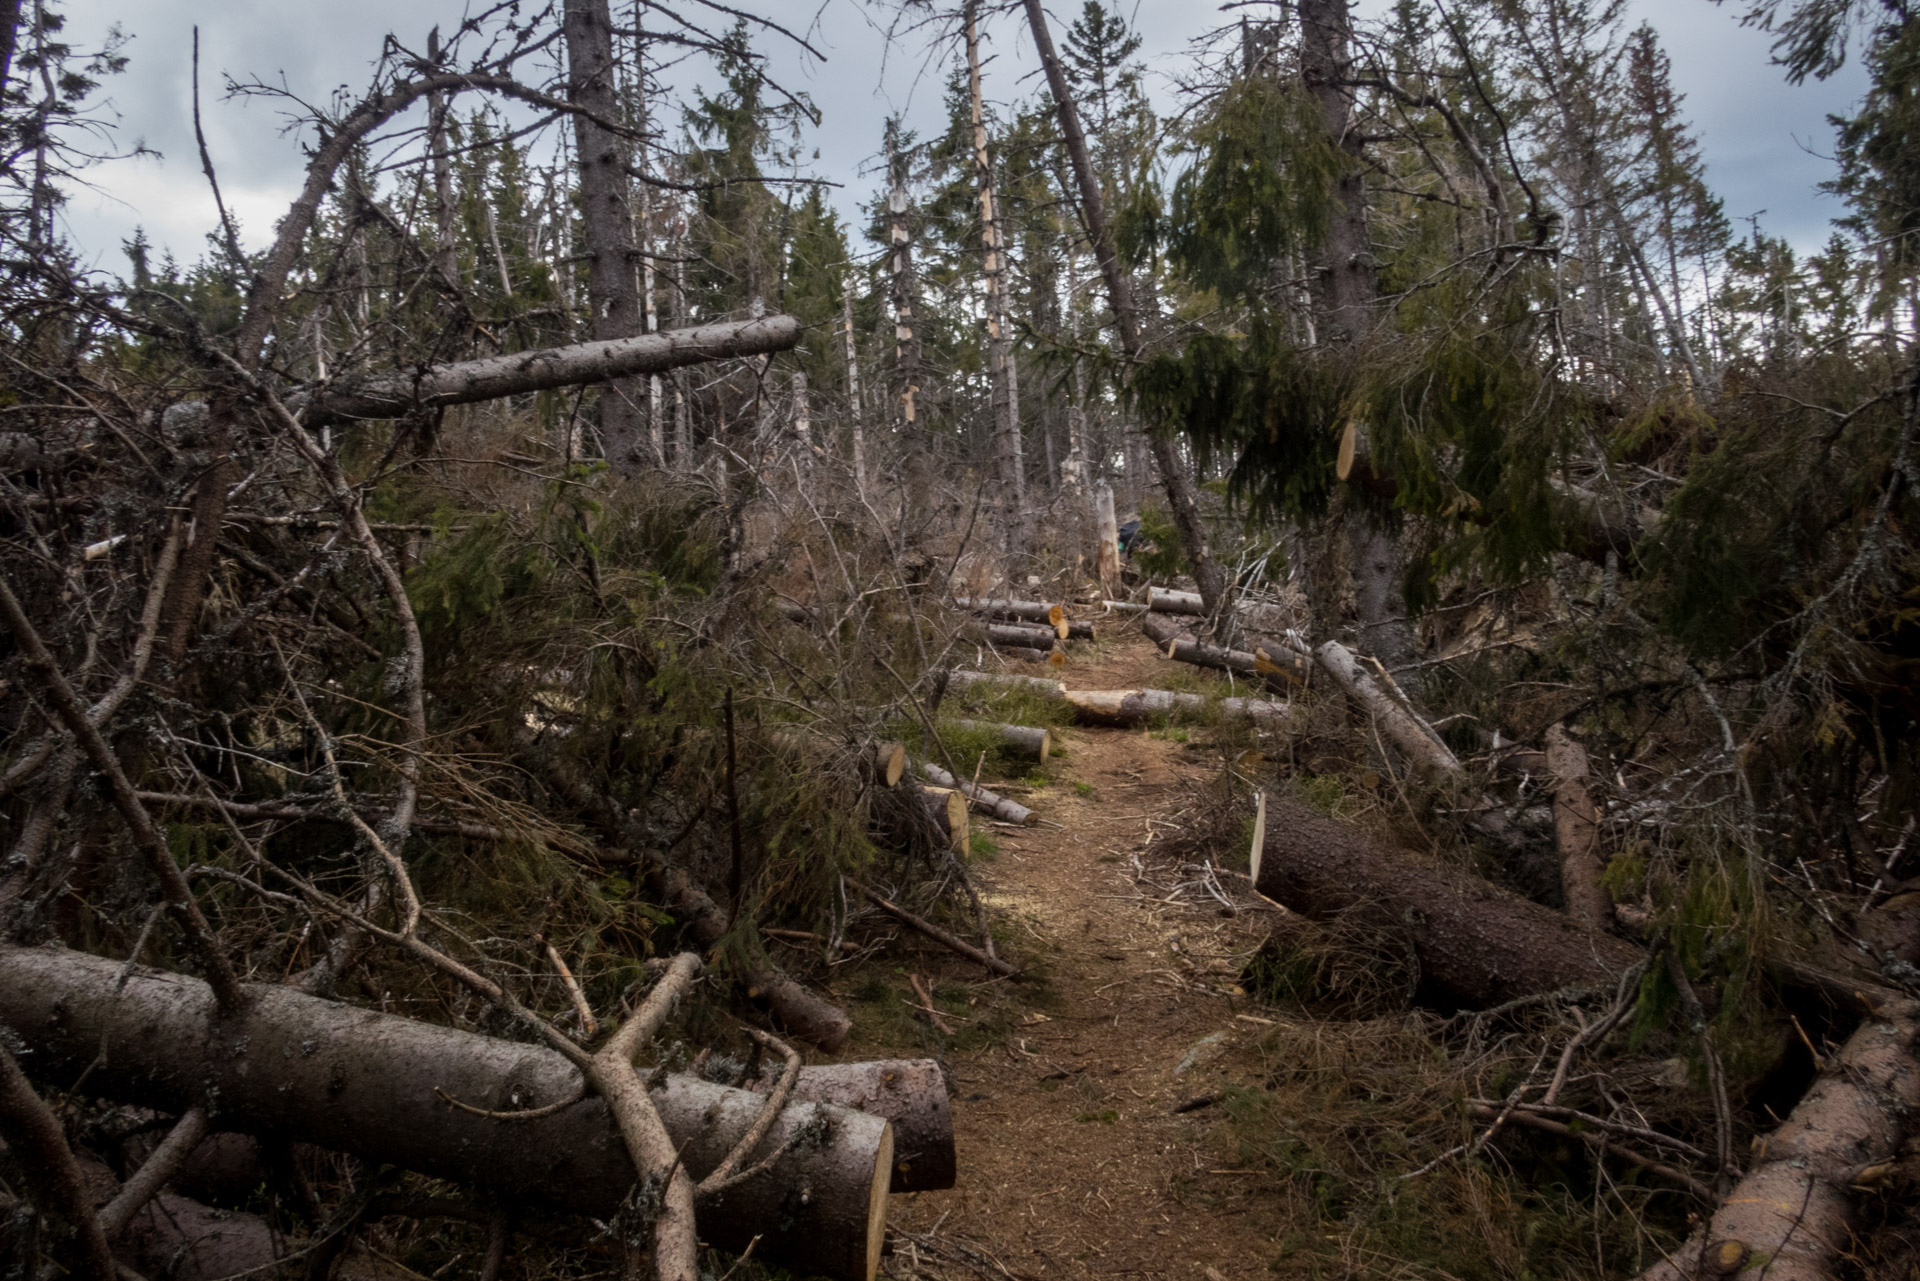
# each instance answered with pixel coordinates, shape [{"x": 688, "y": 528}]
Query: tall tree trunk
[
  {"x": 1006, "y": 410},
  {"x": 606, "y": 220},
  {"x": 856, "y": 425},
  {"x": 1182, "y": 497},
  {"x": 446, "y": 252}
]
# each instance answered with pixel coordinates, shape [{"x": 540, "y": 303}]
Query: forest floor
[{"x": 1073, "y": 1161}]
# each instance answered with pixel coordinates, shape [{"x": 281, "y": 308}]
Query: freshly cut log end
[
  {"x": 949, "y": 810},
  {"x": 1478, "y": 944},
  {"x": 980, "y": 798},
  {"x": 1074, "y": 630},
  {"x": 877, "y": 1205},
  {"x": 1021, "y": 635},
  {"x": 890, "y": 762}
]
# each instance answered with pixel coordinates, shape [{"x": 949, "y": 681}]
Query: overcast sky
[{"x": 1767, "y": 142}]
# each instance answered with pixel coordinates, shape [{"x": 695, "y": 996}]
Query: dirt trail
[{"x": 1073, "y": 1161}]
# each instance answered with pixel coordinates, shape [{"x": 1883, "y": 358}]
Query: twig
[
  {"x": 159, "y": 1167},
  {"x": 53, "y": 1183},
  {"x": 722, "y": 1176},
  {"x": 926, "y": 1003},
  {"x": 937, "y": 934},
  {"x": 589, "y": 1026},
  {"x": 1522, "y": 1116}
]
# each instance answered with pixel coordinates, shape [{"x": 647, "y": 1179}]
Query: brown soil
[{"x": 1072, "y": 1159}]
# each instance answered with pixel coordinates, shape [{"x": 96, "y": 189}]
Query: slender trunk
[
  {"x": 856, "y": 427},
  {"x": 446, "y": 250},
  {"x": 1182, "y": 497},
  {"x": 1006, "y": 410},
  {"x": 906, "y": 345},
  {"x": 605, "y": 219},
  {"x": 802, "y": 421}
]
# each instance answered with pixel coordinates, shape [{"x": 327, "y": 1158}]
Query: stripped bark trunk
[
  {"x": 1007, "y": 446},
  {"x": 606, "y": 221},
  {"x": 1106, "y": 533},
  {"x": 296, "y": 1067},
  {"x": 856, "y": 413},
  {"x": 1182, "y": 498},
  {"x": 1477, "y": 944},
  {"x": 1576, "y": 829}
]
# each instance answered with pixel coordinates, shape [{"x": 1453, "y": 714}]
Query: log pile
[{"x": 426, "y": 1098}]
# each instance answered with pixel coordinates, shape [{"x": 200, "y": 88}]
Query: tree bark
[
  {"x": 1478, "y": 945},
  {"x": 1433, "y": 759},
  {"x": 980, "y": 798},
  {"x": 1132, "y": 708},
  {"x": 1576, "y": 829},
  {"x": 1276, "y": 676},
  {"x": 1029, "y": 742},
  {"x": 53, "y": 1180},
  {"x": 607, "y": 222},
  {"x": 1020, "y": 635},
  {"x": 1031, "y": 611},
  {"x": 1791, "y": 1217},
  {"x": 296, "y": 1067},
  {"x": 1007, "y": 445},
  {"x": 1163, "y": 601},
  {"x": 1106, "y": 533},
  {"x": 1182, "y": 498}
]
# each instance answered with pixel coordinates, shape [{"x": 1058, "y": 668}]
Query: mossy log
[{"x": 294, "y": 1067}]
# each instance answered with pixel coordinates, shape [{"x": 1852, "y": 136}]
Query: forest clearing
[{"x": 1317, "y": 683}]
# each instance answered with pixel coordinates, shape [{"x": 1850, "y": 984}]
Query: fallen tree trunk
[
  {"x": 1031, "y": 611},
  {"x": 1163, "y": 629},
  {"x": 519, "y": 373},
  {"x": 979, "y": 797},
  {"x": 803, "y": 1012},
  {"x": 1123, "y": 607},
  {"x": 1162, "y": 601},
  {"x": 965, "y": 679},
  {"x": 1477, "y": 944},
  {"x": 1021, "y": 653},
  {"x": 292, "y": 1066},
  {"x": 1129, "y": 708},
  {"x": 1018, "y": 635},
  {"x": 1077, "y": 630},
  {"x": 1238, "y": 661},
  {"x": 1430, "y": 757},
  {"x": 1790, "y": 1218},
  {"x": 1027, "y": 742},
  {"x": 1576, "y": 830},
  {"x": 884, "y": 761}
]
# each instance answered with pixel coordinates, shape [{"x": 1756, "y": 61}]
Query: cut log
[
  {"x": 979, "y": 797},
  {"x": 295, "y": 1067},
  {"x": 911, "y": 1093},
  {"x": 1288, "y": 664},
  {"x": 1129, "y": 708},
  {"x": 1031, "y": 611},
  {"x": 887, "y": 761},
  {"x": 1790, "y": 1218},
  {"x": 1162, "y": 601},
  {"x": 949, "y": 811},
  {"x": 1478, "y": 945},
  {"x": 1018, "y": 635},
  {"x": 1025, "y": 741},
  {"x": 1123, "y": 607},
  {"x": 803, "y": 1012},
  {"x": 1021, "y": 654},
  {"x": 965, "y": 679},
  {"x": 1238, "y": 661},
  {"x": 1576, "y": 830},
  {"x": 1430, "y": 757},
  {"x": 1164, "y": 629},
  {"x": 1077, "y": 630}
]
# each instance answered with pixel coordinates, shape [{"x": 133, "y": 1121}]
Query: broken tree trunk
[
  {"x": 523, "y": 372},
  {"x": 979, "y": 797},
  {"x": 292, "y": 1066},
  {"x": 1127, "y": 708},
  {"x": 1576, "y": 829},
  {"x": 1026, "y": 741},
  {"x": 1430, "y": 757},
  {"x": 1790, "y": 1218},
  {"x": 1478, "y": 944},
  {"x": 1031, "y": 611},
  {"x": 1162, "y": 601},
  {"x": 801, "y": 1011},
  {"x": 1106, "y": 527}
]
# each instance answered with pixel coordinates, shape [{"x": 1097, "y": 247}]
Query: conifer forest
[{"x": 1299, "y": 661}]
